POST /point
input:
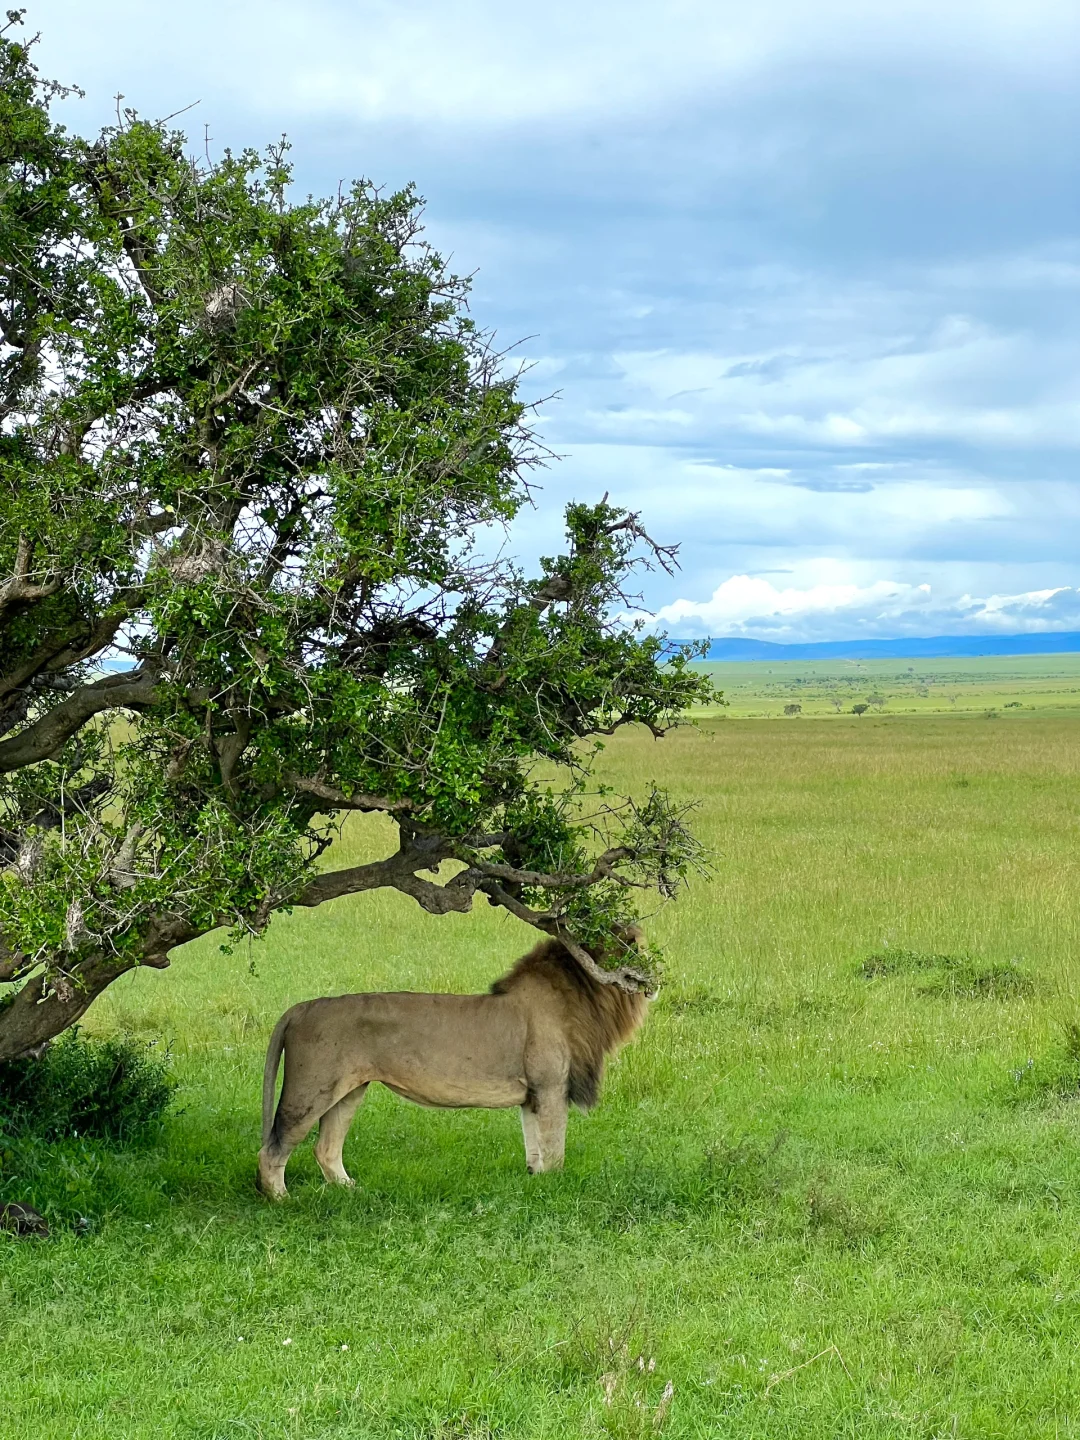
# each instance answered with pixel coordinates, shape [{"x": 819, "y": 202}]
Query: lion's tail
[{"x": 270, "y": 1069}]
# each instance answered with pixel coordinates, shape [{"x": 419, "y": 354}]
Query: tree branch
[
  {"x": 604, "y": 869},
  {"x": 69, "y": 647},
  {"x": 46, "y": 736},
  {"x": 47, "y": 1004},
  {"x": 13, "y": 964},
  {"x": 18, "y": 588},
  {"x": 397, "y": 872},
  {"x": 338, "y": 800}
]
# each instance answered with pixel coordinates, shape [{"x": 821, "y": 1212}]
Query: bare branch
[
  {"x": 625, "y": 977},
  {"x": 121, "y": 873},
  {"x": 338, "y": 800},
  {"x": 229, "y": 748},
  {"x": 399, "y": 872},
  {"x": 663, "y": 555}
]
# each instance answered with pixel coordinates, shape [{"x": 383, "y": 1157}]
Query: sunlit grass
[{"x": 818, "y": 1199}]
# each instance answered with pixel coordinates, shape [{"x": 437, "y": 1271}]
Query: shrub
[{"x": 107, "y": 1089}]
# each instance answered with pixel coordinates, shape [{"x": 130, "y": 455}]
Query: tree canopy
[{"x": 252, "y": 451}]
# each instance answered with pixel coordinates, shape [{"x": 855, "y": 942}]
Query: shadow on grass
[
  {"x": 961, "y": 976},
  {"x": 1053, "y": 1077},
  {"x": 699, "y": 1003},
  {"x": 197, "y": 1165}
]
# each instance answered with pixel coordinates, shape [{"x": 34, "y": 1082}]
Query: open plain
[{"x": 833, "y": 1189}]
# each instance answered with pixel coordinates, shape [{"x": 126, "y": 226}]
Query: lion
[{"x": 538, "y": 1040}]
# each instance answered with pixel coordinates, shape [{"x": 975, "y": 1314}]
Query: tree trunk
[
  {"x": 37, "y": 1014},
  {"x": 44, "y": 1008}
]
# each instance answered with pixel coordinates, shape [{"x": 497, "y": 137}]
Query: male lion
[{"x": 538, "y": 1040}]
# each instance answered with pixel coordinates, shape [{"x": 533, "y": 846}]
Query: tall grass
[{"x": 820, "y": 1198}]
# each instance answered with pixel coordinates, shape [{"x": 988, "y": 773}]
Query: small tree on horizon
[{"x": 251, "y": 453}]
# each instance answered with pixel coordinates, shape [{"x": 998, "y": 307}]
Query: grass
[
  {"x": 995, "y": 687},
  {"x": 827, "y": 1193}
]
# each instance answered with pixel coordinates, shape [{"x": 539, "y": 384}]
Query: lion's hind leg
[
  {"x": 333, "y": 1128},
  {"x": 292, "y": 1124},
  {"x": 274, "y": 1156}
]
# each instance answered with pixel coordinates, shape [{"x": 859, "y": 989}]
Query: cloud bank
[
  {"x": 803, "y": 281},
  {"x": 753, "y": 607}
]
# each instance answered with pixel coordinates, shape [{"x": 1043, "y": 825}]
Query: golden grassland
[{"x": 820, "y": 1198}]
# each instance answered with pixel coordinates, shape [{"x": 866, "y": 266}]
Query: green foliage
[
  {"x": 100, "y": 1089},
  {"x": 256, "y": 458}
]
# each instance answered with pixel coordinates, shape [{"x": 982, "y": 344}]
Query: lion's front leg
[
  {"x": 530, "y": 1129},
  {"x": 548, "y": 1125}
]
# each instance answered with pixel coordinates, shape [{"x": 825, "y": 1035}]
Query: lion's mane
[{"x": 598, "y": 1017}]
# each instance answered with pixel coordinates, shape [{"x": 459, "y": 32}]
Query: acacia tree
[{"x": 251, "y": 453}]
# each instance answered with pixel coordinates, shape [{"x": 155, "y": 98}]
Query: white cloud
[
  {"x": 889, "y": 511},
  {"x": 747, "y": 605}
]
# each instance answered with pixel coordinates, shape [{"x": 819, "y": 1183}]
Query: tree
[
  {"x": 793, "y": 708},
  {"x": 859, "y": 709},
  {"x": 253, "y": 452}
]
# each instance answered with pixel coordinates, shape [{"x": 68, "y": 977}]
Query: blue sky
[{"x": 806, "y": 278}]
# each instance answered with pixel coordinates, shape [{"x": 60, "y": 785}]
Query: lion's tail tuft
[{"x": 273, "y": 1060}]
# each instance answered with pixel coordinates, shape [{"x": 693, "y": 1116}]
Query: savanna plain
[{"x": 832, "y": 1190}]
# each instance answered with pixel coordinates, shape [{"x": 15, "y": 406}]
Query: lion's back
[{"x": 435, "y": 1049}]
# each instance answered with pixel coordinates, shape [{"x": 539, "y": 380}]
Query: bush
[{"x": 106, "y": 1089}]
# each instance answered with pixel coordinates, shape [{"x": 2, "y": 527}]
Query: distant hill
[{"x": 937, "y": 646}]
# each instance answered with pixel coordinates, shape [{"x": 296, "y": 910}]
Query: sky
[{"x": 800, "y": 282}]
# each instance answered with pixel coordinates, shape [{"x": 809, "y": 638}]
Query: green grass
[
  {"x": 820, "y": 1198},
  {"x": 1014, "y": 686}
]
